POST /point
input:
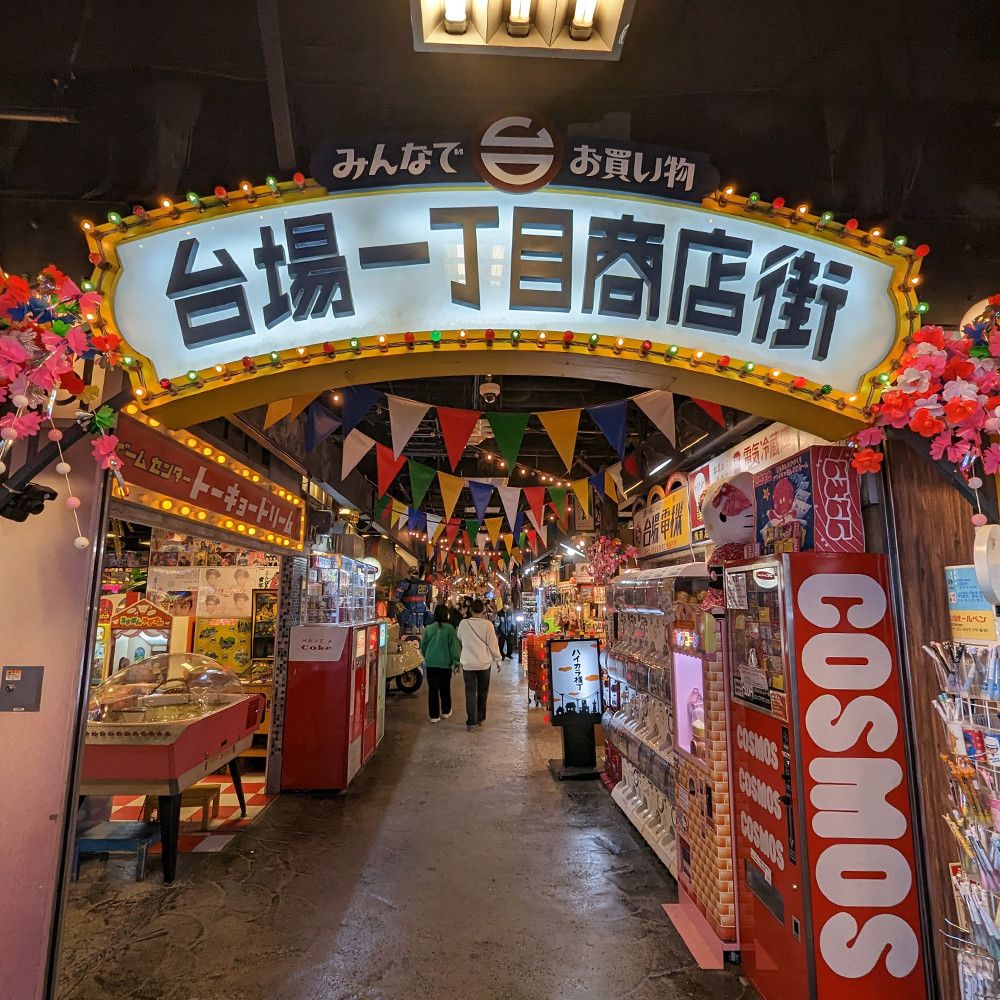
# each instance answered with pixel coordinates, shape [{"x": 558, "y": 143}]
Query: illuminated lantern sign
[
  {"x": 685, "y": 639},
  {"x": 625, "y": 243},
  {"x": 575, "y": 687}
]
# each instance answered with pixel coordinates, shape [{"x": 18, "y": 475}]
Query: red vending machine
[
  {"x": 324, "y": 706},
  {"x": 373, "y": 703},
  {"x": 824, "y": 849}
]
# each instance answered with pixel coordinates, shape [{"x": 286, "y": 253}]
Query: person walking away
[
  {"x": 480, "y": 652},
  {"x": 505, "y": 630},
  {"x": 455, "y": 616},
  {"x": 442, "y": 654}
]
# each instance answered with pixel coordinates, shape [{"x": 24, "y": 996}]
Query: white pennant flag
[
  {"x": 401, "y": 519},
  {"x": 539, "y": 526},
  {"x": 510, "y": 496},
  {"x": 404, "y": 418},
  {"x": 357, "y": 444},
  {"x": 615, "y": 472},
  {"x": 433, "y": 524},
  {"x": 658, "y": 405}
]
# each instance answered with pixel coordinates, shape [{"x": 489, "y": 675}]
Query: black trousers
[
  {"x": 477, "y": 689},
  {"x": 439, "y": 691}
]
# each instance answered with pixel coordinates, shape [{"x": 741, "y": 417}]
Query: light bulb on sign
[
  {"x": 581, "y": 27},
  {"x": 519, "y": 19},
  {"x": 456, "y": 17}
]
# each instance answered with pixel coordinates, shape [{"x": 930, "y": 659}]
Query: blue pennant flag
[
  {"x": 358, "y": 401},
  {"x": 320, "y": 424},
  {"x": 518, "y": 524},
  {"x": 612, "y": 418},
  {"x": 597, "y": 481},
  {"x": 481, "y": 493}
]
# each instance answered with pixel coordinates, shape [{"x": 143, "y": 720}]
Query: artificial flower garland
[{"x": 608, "y": 555}]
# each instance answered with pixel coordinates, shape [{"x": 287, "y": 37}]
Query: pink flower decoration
[
  {"x": 90, "y": 302},
  {"x": 958, "y": 451},
  {"x": 870, "y": 437},
  {"x": 12, "y": 355},
  {"x": 940, "y": 445},
  {"x": 103, "y": 449},
  {"x": 991, "y": 460},
  {"x": 913, "y": 380},
  {"x": 26, "y": 425},
  {"x": 77, "y": 340},
  {"x": 68, "y": 289}
]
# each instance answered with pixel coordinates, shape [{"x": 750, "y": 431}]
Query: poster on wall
[
  {"x": 575, "y": 681},
  {"x": 227, "y": 591},
  {"x": 175, "y": 548},
  {"x": 225, "y": 640},
  {"x": 973, "y": 618}
]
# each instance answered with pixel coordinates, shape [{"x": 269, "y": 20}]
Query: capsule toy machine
[
  {"x": 329, "y": 658},
  {"x": 383, "y": 668},
  {"x": 827, "y": 883}
]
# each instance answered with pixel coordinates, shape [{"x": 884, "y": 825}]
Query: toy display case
[{"x": 338, "y": 590}]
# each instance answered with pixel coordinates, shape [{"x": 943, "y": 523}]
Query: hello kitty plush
[{"x": 727, "y": 508}]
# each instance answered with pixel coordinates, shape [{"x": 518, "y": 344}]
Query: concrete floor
[{"x": 455, "y": 867}]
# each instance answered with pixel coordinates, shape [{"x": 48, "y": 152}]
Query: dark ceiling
[{"x": 888, "y": 111}]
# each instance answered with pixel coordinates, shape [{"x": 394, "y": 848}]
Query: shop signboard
[
  {"x": 760, "y": 450},
  {"x": 157, "y": 462},
  {"x": 973, "y": 618},
  {"x": 141, "y": 615},
  {"x": 663, "y": 525},
  {"x": 575, "y": 682}
]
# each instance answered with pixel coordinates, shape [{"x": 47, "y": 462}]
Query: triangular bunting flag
[
  {"x": 597, "y": 481},
  {"x": 508, "y": 430},
  {"x": 481, "y": 493},
  {"x": 518, "y": 523},
  {"x": 388, "y": 467},
  {"x": 515, "y": 555},
  {"x": 615, "y": 472},
  {"x": 481, "y": 541},
  {"x": 456, "y": 427},
  {"x": 713, "y": 410},
  {"x": 508, "y": 540},
  {"x": 493, "y": 525},
  {"x": 299, "y": 403},
  {"x": 510, "y": 497},
  {"x": 451, "y": 487},
  {"x": 658, "y": 405},
  {"x": 581, "y": 487},
  {"x": 612, "y": 418},
  {"x": 433, "y": 526},
  {"x": 536, "y": 521},
  {"x": 471, "y": 529},
  {"x": 532, "y": 536},
  {"x": 404, "y": 418},
  {"x": 610, "y": 491},
  {"x": 357, "y": 444},
  {"x": 558, "y": 496},
  {"x": 380, "y": 506},
  {"x": 451, "y": 531},
  {"x": 535, "y": 495},
  {"x": 320, "y": 424},
  {"x": 421, "y": 477},
  {"x": 276, "y": 411},
  {"x": 402, "y": 517},
  {"x": 358, "y": 400},
  {"x": 561, "y": 427}
]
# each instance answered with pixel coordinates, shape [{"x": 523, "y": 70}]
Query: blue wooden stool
[{"x": 117, "y": 838}]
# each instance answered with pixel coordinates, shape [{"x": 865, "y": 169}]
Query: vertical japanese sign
[
  {"x": 160, "y": 463},
  {"x": 575, "y": 682},
  {"x": 862, "y": 873},
  {"x": 664, "y": 525}
]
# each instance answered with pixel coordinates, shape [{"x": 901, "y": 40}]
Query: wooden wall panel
[{"x": 933, "y": 530}]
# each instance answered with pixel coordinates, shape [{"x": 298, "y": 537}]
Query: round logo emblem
[{"x": 518, "y": 153}]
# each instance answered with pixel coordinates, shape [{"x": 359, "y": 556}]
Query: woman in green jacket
[{"x": 442, "y": 654}]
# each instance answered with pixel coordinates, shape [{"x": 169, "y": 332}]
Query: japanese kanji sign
[
  {"x": 157, "y": 462},
  {"x": 663, "y": 525},
  {"x": 347, "y": 265}
]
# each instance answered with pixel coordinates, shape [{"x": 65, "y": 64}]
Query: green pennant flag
[
  {"x": 471, "y": 529},
  {"x": 421, "y": 477},
  {"x": 558, "y": 496},
  {"x": 522, "y": 542},
  {"x": 381, "y": 504},
  {"x": 508, "y": 430}
]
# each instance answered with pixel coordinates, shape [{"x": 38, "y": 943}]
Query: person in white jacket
[{"x": 480, "y": 652}]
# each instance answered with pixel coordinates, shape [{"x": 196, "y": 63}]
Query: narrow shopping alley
[{"x": 455, "y": 867}]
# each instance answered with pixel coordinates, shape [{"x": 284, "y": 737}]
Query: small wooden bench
[
  {"x": 203, "y": 796},
  {"x": 117, "y": 837}
]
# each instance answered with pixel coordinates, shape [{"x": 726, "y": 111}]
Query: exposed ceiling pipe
[{"x": 713, "y": 445}]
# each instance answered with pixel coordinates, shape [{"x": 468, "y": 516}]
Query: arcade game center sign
[{"x": 515, "y": 226}]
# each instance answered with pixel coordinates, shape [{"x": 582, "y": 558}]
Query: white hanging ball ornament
[
  {"x": 20, "y": 401},
  {"x": 8, "y": 434},
  {"x": 975, "y": 482},
  {"x": 64, "y": 468},
  {"x": 81, "y": 542}
]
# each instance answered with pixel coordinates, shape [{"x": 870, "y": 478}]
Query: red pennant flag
[
  {"x": 535, "y": 495},
  {"x": 388, "y": 467},
  {"x": 714, "y": 410},
  {"x": 451, "y": 531},
  {"x": 456, "y": 427},
  {"x": 533, "y": 539}
]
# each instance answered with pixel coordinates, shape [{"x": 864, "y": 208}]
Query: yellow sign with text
[{"x": 664, "y": 525}]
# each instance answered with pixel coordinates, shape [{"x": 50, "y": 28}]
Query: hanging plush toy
[{"x": 727, "y": 508}]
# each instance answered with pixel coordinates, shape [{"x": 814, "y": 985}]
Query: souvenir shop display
[
  {"x": 824, "y": 844},
  {"x": 159, "y": 725},
  {"x": 969, "y": 709}
]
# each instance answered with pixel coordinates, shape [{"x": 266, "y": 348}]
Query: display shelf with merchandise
[{"x": 338, "y": 590}]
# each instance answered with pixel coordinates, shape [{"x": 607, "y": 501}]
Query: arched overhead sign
[{"x": 609, "y": 272}]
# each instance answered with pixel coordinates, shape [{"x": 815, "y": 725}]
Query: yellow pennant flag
[
  {"x": 562, "y": 426},
  {"x": 581, "y": 487},
  {"x": 515, "y": 554},
  {"x": 609, "y": 486},
  {"x": 493, "y": 529},
  {"x": 299, "y": 403},
  {"x": 451, "y": 487},
  {"x": 398, "y": 507},
  {"x": 276, "y": 411},
  {"x": 508, "y": 540}
]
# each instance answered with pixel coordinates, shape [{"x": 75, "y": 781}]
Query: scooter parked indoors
[{"x": 405, "y": 660}]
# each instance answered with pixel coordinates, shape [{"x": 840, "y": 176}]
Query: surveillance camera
[{"x": 489, "y": 390}]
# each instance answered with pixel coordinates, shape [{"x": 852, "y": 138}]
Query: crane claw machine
[
  {"x": 333, "y": 711},
  {"x": 827, "y": 882}
]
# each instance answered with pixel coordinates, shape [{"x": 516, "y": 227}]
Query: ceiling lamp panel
[{"x": 569, "y": 29}]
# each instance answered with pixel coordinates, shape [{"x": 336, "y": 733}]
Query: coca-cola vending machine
[
  {"x": 374, "y": 692},
  {"x": 325, "y": 706},
  {"x": 827, "y": 891}
]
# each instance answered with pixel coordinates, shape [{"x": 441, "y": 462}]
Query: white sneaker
[
  {"x": 446, "y": 715},
  {"x": 433, "y": 721}
]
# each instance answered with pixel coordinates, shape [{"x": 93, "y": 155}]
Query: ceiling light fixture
[
  {"x": 519, "y": 19},
  {"x": 456, "y": 16},
  {"x": 581, "y": 27}
]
